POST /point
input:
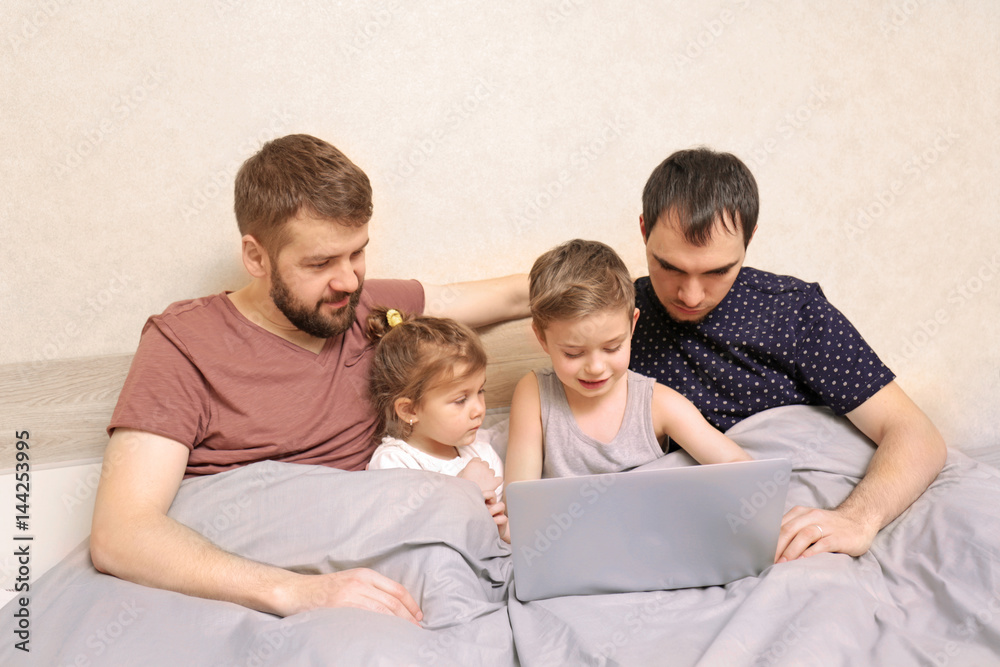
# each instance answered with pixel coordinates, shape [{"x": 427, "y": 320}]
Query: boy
[{"x": 589, "y": 414}]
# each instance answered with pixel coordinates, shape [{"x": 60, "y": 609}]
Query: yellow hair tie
[{"x": 393, "y": 317}]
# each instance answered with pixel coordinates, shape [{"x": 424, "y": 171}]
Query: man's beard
[
  {"x": 313, "y": 322},
  {"x": 688, "y": 322}
]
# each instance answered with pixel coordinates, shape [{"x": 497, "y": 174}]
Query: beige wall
[{"x": 492, "y": 131}]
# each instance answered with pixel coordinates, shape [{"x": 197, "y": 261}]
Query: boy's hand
[{"x": 480, "y": 473}]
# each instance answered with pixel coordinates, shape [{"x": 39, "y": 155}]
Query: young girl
[
  {"x": 426, "y": 387},
  {"x": 590, "y": 414}
]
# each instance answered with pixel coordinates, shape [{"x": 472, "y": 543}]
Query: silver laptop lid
[{"x": 701, "y": 525}]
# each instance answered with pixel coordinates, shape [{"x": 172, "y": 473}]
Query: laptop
[{"x": 645, "y": 530}]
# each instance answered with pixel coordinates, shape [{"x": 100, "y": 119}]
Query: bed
[{"x": 927, "y": 593}]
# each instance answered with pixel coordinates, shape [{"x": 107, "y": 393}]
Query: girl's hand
[
  {"x": 499, "y": 512},
  {"x": 480, "y": 473}
]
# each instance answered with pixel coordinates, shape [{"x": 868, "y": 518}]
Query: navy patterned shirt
[{"x": 772, "y": 341}]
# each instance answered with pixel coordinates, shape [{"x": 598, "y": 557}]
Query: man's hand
[
  {"x": 479, "y": 472},
  {"x": 360, "y": 588},
  {"x": 807, "y": 531}
]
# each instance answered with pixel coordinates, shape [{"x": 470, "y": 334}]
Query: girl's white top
[{"x": 395, "y": 453}]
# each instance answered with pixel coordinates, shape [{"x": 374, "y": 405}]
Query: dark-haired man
[
  {"x": 276, "y": 370},
  {"x": 736, "y": 341}
]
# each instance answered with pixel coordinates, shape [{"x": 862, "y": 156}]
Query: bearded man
[{"x": 275, "y": 371}]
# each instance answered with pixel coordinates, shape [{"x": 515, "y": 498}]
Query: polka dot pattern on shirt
[{"x": 774, "y": 340}]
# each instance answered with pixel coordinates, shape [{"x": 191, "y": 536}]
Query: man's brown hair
[{"x": 293, "y": 173}]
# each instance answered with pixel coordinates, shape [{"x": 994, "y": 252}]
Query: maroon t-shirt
[{"x": 234, "y": 393}]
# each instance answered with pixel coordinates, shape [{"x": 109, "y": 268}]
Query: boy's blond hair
[{"x": 576, "y": 279}]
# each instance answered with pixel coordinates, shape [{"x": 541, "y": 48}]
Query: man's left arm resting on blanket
[{"x": 910, "y": 453}]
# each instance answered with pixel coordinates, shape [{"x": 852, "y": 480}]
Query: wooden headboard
[{"x": 66, "y": 404}]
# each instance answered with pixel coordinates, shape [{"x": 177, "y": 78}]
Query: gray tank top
[{"x": 568, "y": 451}]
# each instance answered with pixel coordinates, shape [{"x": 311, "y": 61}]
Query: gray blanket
[{"x": 925, "y": 594}]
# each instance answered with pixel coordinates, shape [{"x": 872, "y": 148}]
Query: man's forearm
[
  {"x": 907, "y": 460},
  {"x": 133, "y": 538},
  {"x": 162, "y": 553},
  {"x": 910, "y": 453},
  {"x": 481, "y": 302}
]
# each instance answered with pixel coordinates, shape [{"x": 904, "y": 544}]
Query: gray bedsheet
[
  {"x": 430, "y": 532},
  {"x": 926, "y": 594}
]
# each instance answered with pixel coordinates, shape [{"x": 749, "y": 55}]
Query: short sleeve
[
  {"x": 164, "y": 393},
  {"x": 404, "y": 295},
  {"x": 834, "y": 360}
]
